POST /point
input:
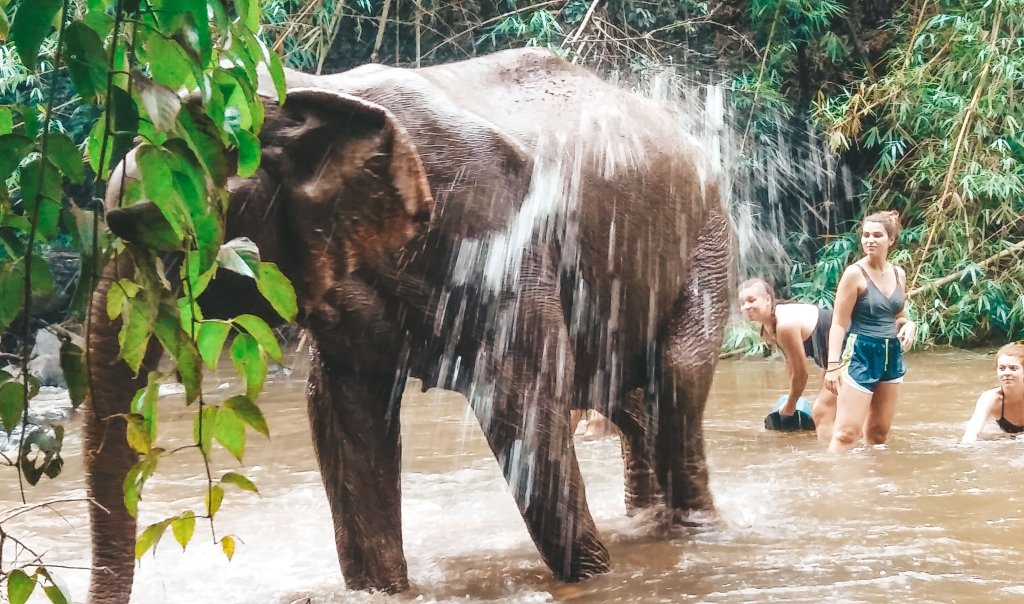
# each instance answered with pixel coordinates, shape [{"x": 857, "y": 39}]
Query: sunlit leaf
[
  {"x": 183, "y": 527},
  {"x": 135, "y": 332},
  {"x": 227, "y": 544},
  {"x": 116, "y": 295},
  {"x": 149, "y": 538},
  {"x": 249, "y": 412},
  {"x": 137, "y": 434},
  {"x": 239, "y": 481},
  {"x": 210, "y": 341},
  {"x": 248, "y": 153},
  {"x": 276, "y": 288},
  {"x": 31, "y": 24},
  {"x": 259, "y": 329},
  {"x": 19, "y": 585},
  {"x": 230, "y": 432},
  {"x": 214, "y": 497},
  {"x": 204, "y": 427},
  {"x": 249, "y": 362},
  {"x": 168, "y": 63}
]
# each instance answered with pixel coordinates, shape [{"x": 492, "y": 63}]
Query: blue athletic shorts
[{"x": 872, "y": 361}]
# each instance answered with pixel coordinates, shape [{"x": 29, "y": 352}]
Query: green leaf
[
  {"x": 137, "y": 434},
  {"x": 227, "y": 544},
  {"x": 277, "y": 75},
  {"x": 149, "y": 538},
  {"x": 214, "y": 497},
  {"x": 228, "y": 258},
  {"x": 135, "y": 332},
  {"x": 167, "y": 62},
  {"x": 33, "y": 187},
  {"x": 144, "y": 404},
  {"x": 259, "y": 329},
  {"x": 248, "y": 153},
  {"x": 19, "y": 584},
  {"x": 183, "y": 527},
  {"x": 12, "y": 404},
  {"x": 277, "y": 289},
  {"x": 99, "y": 21},
  {"x": 160, "y": 102},
  {"x": 202, "y": 138},
  {"x": 86, "y": 61},
  {"x": 239, "y": 481},
  {"x": 204, "y": 427},
  {"x": 6, "y": 120},
  {"x": 124, "y": 124},
  {"x": 31, "y": 24},
  {"x": 230, "y": 432},
  {"x": 119, "y": 291},
  {"x": 146, "y": 224},
  {"x": 43, "y": 286},
  {"x": 210, "y": 340},
  {"x": 182, "y": 349},
  {"x": 76, "y": 373},
  {"x": 13, "y": 149},
  {"x": 66, "y": 156},
  {"x": 5, "y": 26},
  {"x": 12, "y": 292},
  {"x": 249, "y": 13},
  {"x": 56, "y": 591},
  {"x": 155, "y": 173},
  {"x": 136, "y": 477},
  {"x": 249, "y": 412},
  {"x": 249, "y": 363}
]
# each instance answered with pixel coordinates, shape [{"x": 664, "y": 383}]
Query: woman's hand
[
  {"x": 906, "y": 335},
  {"x": 833, "y": 380}
]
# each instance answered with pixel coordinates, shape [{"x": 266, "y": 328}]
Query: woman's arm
[
  {"x": 906, "y": 329},
  {"x": 982, "y": 409},
  {"x": 846, "y": 297},
  {"x": 792, "y": 345}
]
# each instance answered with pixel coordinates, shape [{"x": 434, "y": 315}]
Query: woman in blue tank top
[
  {"x": 869, "y": 312},
  {"x": 1004, "y": 404}
]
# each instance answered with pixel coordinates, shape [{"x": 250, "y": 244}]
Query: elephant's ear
[{"x": 346, "y": 133}]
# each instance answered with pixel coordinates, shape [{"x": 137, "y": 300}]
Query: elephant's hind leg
[
  {"x": 356, "y": 434},
  {"x": 108, "y": 458},
  {"x": 634, "y": 423}
]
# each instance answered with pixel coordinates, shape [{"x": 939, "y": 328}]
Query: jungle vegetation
[{"x": 913, "y": 105}]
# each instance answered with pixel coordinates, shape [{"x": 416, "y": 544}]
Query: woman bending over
[{"x": 799, "y": 330}]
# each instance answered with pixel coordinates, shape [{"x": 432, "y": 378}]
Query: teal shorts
[{"x": 872, "y": 361}]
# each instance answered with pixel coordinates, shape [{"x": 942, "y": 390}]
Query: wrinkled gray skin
[{"x": 510, "y": 227}]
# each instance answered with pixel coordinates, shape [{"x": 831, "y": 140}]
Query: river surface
[{"x": 920, "y": 519}]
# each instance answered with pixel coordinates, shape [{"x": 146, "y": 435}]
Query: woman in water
[
  {"x": 799, "y": 330},
  {"x": 869, "y": 313},
  {"x": 1006, "y": 403}
]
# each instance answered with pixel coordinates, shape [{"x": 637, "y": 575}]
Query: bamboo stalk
[
  {"x": 960, "y": 274},
  {"x": 380, "y": 31}
]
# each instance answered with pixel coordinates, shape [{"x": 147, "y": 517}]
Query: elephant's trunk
[{"x": 107, "y": 454}]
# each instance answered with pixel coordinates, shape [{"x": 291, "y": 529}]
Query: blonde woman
[
  {"x": 800, "y": 331},
  {"x": 866, "y": 371},
  {"x": 1004, "y": 404}
]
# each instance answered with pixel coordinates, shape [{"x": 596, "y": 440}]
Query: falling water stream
[{"x": 922, "y": 519}]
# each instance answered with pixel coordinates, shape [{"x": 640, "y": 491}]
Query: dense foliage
[{"x": 920, "y": 103}]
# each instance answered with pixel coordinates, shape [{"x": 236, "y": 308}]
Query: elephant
[{"x": 511, "y": 227}]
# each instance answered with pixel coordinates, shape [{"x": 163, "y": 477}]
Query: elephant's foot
[
  {"x": 389, "y": 583},
  {"x": 642, "y": 491},
  {"x": 591, "y": 561}
]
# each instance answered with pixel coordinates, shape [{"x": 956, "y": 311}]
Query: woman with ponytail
[{"x": 866, "y": 371}]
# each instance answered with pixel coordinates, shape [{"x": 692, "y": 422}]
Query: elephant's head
[{"x": 340, "y": 187}]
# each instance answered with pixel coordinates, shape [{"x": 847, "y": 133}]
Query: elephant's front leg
[
  {"x": 526, "y": 422},
  {"x": 634, "y": 423},
  {"x": 355, "y": 421},
  {"x": 107, "y": 454}
]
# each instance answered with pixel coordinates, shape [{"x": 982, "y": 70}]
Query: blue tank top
[{"x": 874, "y": 314}]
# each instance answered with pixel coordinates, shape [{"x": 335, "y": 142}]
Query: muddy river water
[{"x": 921, "y": 519}]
